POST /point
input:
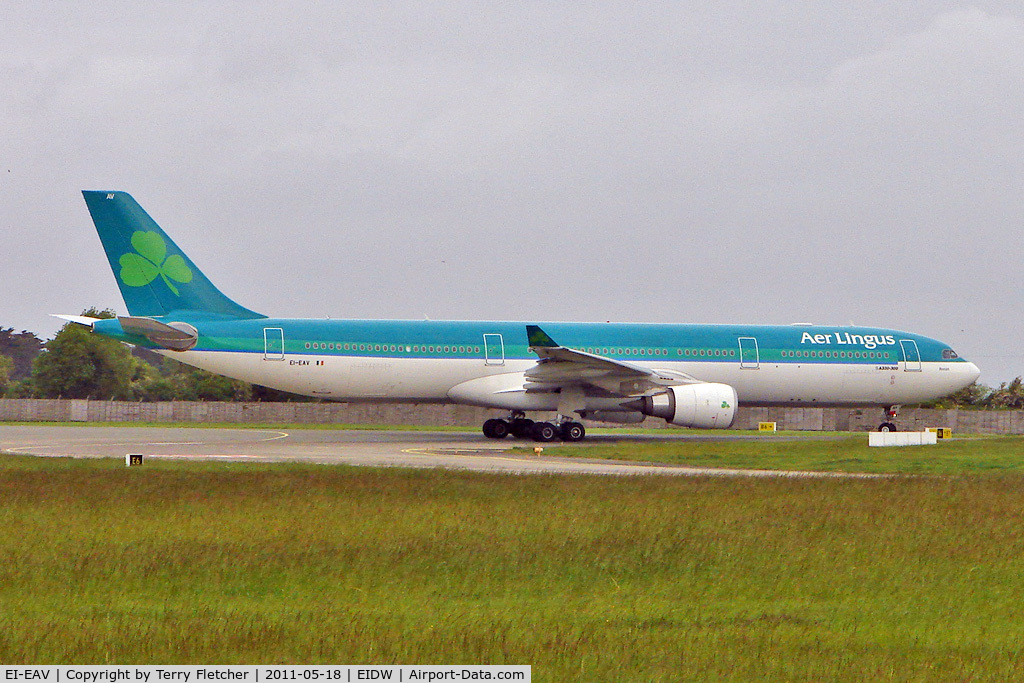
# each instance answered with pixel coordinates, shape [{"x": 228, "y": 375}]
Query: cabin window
[{"x": 949, "y": 354}]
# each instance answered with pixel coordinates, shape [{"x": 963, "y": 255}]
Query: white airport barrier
[{"x": 902, "y": 438}]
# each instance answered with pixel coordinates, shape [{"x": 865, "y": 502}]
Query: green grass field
[
  {"x": 585, "y": 578},
  {"x": 843, "y": 453}
]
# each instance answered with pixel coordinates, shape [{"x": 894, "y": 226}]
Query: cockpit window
[{"x": 949, "y": 354}]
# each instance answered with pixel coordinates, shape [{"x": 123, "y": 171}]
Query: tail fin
[{"x": 155, "y": 277}]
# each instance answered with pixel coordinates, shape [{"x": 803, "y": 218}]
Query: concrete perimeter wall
[{"x": 815, "y": 419}]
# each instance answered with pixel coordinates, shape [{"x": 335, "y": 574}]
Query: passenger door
[
  {"x": 273, "y": 343},
  {"x": 749, "y": 356},
  {"x": 494, "y": 349},
  {"x": 911, "y": 355}
]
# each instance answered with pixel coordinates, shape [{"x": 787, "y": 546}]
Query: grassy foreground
[{"x": 585, "y": 578}]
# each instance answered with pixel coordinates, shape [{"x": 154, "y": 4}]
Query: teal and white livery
[{"x": 690, "y": 375}]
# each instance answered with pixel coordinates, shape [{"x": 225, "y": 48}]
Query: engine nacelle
[{"x": 704, "y": 406}]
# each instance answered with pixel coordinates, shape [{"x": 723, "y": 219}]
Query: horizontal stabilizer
[
  {"x": 173, "y": 336},
  {"x": 77, "y": 319}
]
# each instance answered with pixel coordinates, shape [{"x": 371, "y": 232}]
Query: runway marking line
[
  {"x": 687, "y": 470},
  {"x": 202, "y": 456},
  {"x": 492, "y": 453},
  {"x": 24, "y": 449}
]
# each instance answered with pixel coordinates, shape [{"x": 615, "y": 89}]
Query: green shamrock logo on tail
[{"x": 138, "y": 270}]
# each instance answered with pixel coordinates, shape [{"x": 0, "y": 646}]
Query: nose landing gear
[{"x": 891, "y": 412}]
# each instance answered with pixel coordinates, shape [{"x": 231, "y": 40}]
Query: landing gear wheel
[
  {"x": 496, "y": 429},
  {"x": 521, "y": 428},
  {"x": 890, "y": 414},
  {"x": 544, "y": 432},
  {"x": 573, "y": 431}
]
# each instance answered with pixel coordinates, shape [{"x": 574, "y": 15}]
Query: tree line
[
  {"x": 79, "y": 364},
  {"x": 1007, "y": 396}
]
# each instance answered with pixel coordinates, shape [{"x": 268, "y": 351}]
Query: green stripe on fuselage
[{"x": 626, "y": 341}]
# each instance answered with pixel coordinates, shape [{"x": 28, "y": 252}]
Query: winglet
[{"x": 539, "y": 338}]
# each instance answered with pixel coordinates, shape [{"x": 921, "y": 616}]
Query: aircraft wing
[{"x": 560, "y": 366}]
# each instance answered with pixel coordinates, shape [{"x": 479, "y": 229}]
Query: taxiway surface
[{"x": 454, "y": 450}]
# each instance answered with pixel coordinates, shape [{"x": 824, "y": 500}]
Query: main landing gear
[
  {"x": 890, "y": 414},
  {"x": 521, "y": 427}
]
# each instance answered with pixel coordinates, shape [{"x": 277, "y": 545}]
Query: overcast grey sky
[{"x": 761, "y": 162}]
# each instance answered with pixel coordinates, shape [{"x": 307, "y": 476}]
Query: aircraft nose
[{"x": 970, "y": 373}]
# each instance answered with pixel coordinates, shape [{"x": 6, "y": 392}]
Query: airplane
[{"x": 689, "y": 375}]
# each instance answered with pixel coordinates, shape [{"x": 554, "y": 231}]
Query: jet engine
[{"x": 704, "y": 406}]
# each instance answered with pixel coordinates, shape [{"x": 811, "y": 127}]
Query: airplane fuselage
[
  {"x": 438, "y": 361},
  {"x": 690, "y": 375}
]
